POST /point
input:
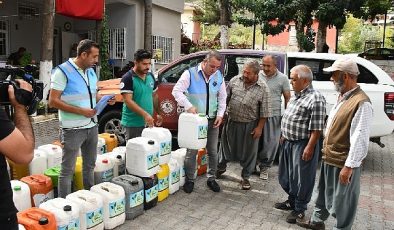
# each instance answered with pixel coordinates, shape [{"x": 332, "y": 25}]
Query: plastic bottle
[
  {"x": 192, "y": 131},
  {"x": 21, "y": 195}
]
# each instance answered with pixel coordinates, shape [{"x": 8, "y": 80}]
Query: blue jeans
[{"x": 73, "y": 139}]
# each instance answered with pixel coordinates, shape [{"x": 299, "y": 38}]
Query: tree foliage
[{"x": 105, "y": 71}]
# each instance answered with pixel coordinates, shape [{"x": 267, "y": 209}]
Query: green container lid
[
  {"x": 17, "y": 188},
  {"x": 53, "y": 173}
]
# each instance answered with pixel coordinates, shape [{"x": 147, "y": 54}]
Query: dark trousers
[
  {"x": 9, "y": 222},
  {"x": 296, "y": 176}
]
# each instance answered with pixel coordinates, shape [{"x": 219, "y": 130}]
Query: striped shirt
[
  {"x": 245, "y": 103},
  {"x": 305, "y": 112},
  {"x": 359, "y": 130}
]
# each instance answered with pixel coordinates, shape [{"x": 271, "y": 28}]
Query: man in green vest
[
  {"x": 138, "y": 88},
  {"x": 74, "y": 94},
  {"x": 344, "y": 147}
]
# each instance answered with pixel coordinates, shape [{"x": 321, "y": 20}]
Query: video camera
[{"x": 8, "y": 74}]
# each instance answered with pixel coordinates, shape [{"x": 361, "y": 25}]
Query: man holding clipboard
[{"x": 74, "y": 94}]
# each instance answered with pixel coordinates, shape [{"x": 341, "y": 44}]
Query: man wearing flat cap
[{"x": 345, "y": 146}]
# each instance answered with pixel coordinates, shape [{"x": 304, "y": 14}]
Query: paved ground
[{"x": 234, "y": 208}]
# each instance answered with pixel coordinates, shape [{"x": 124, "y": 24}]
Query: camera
[{"x": 9, "y": 74}]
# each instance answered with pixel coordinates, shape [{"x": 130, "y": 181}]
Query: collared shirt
[
  {"x": 183, "y": 84},
  {"x": 59, "y": 80},
  {"x": 278, "y": 84},
  {"x": 359, "y": 130},
  {"x": 305, "y": 112},
  {"x": 245, "y": 103}
]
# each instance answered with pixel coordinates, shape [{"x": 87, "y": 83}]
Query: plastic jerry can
[
  {"x": 37, "y": 219},
  {"x": 54, "y": 174},
  {"x": 41, "y": 188},
  {"x": 17, "y": 171},
  {"x": 151, "y": 190},
  {"x": 201, "y": 162},
  {"x": 119, "y": 162},
  {"x": 162, "y": 177},
  {"x": 111, "y": 141},
  {"x": 164, "y": 138},
  {"x": 174, "y": 176},
  {"x": 90, "y": 205},
  {"x": 101, "y": 147},
  {"x": 21, "y": 227},
  {"x": 54, "y": 154},
  {"x": 142, "y": 157},
  {"x": 179, "y": 155},
  {"x": 78, "y": 178},
  {"x": 104, "y": 170},
  {"x": 114, "y": 203},
  {"x": 39, "y": 163},
  {"x": 134, "y": 194},
  {"x": 20, "y": 195},
  {"x": 66, "y": 213},
  {"x": 192, "y": 131}
]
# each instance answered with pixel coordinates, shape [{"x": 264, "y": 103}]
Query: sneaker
[
  {"x": 213, "y": 185},
  {"x": 264, "y": 174},
  {"x": 294, "y": 215},
  {"x": 245, "y": 184},
  {"x": 305, "y": 223},
  {"x": 219, "y": 172},
  {"x": 287, "y": 205},
  {"x": 188, "y": 186}
]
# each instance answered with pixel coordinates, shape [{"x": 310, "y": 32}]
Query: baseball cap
[{"x": 346, "y": 65}]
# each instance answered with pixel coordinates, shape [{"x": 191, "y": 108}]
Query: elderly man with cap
[
  {"x": 344, "y": 147},
  {"x": 301, "y": 126}
]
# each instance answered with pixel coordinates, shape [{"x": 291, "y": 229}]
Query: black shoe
[
  {"x": 188, "y": 186},
  {"x": 245, "y": 184},
  {"x": 310, "y": 225},
  {"x": 284, "y": 205},
  {"x": 294, "y": 215},
  {"x": 219, "y": 172},
  {"x": 213, "y": 185}
]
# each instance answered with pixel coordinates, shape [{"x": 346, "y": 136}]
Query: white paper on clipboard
[{"x": 102, "y": 103}]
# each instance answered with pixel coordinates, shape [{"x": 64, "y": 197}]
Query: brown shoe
[
  {"x": 245, "y": 184},
  {"x": 305, "y": 223}
]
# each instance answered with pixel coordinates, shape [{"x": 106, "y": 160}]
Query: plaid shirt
[
  {"x": 245, "y": 103},
  {"x": 305, "y": 112}
]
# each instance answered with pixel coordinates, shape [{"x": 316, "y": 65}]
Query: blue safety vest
[
  {"x": 203, "y": 95},
  {"x": 78, "y": 93}
]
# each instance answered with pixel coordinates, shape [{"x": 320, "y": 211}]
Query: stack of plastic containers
[
  {"x": 21, "y": 195},
  {"x": 192, "y": 131},
  {"x": 134, "y": 193},
  {"x": 174, "y": 175},
  {"x": 113, "y": 203},
  {"x": 41, "y": 188},
  {"x": 39, "y": 163},
  {"x": 111, "y": 141},
  {"x": 65, "y": 211},
  {"x": 54, "y": 154},
  {"x": 90, "y": 209},
  {"x": 179, "y": 155}
]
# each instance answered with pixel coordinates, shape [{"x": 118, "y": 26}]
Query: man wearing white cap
[{"x": 344, "y": 147}]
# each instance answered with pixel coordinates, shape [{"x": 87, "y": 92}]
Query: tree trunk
[
  {"x": 321, "y": 37},
  {"x": 224, "y": 23},
  {"x": 148, "y": 25},
  {"x": 299, "y": 34},
  {"x": 47, "y": 45}
]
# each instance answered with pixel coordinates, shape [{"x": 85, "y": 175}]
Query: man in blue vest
[
  {"x": 73, "y": 93},
  {"x": 201, "y": 89}
]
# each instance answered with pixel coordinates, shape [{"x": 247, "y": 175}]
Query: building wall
[
  {"x": 174, "y": 5},
  {"x": 191, "y": 29}
]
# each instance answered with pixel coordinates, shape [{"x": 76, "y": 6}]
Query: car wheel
[{"x": 110, "y": 123}]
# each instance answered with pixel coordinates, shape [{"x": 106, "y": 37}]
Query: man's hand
[
  {"x": 192, "y": 110},
  {"x": 257, "y": 133},
  {"x": 111, "y": 101},
  {"x": 149, "y": 121},
  {"x": 308, "y": 153},
  {"x": 11, "y": 92},
  {"x": 218, "y": 122},
  {"x": 88, "y": 112},
  {"x": 345, "y": 175},
  {"x": 159, "y": 120}
]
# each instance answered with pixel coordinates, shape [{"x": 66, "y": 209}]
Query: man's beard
[{"x": 340, "y": 85}]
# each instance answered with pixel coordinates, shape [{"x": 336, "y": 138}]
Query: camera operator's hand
[
  {"x": 11, "y": 92},
  {"x": 88, "y": 112}
]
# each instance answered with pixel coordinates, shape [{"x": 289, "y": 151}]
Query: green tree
[{"x": 105, "y": 71}]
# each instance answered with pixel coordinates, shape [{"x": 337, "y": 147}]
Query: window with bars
[
  {"x": 3, "y": 38},
  {"x": 117, "y": 42},
  {"x": 28, "y": 10},
  {"x": 162, "y": 49}
]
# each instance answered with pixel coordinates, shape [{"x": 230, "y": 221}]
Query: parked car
[
  {"x": 378, "y": 54},
  {"x": 373, "y": 80}
]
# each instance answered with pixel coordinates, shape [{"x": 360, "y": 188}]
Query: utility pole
[{"x": 47, "y": 44}]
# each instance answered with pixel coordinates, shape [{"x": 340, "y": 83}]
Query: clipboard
[{"x": 103, "y": 103}]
